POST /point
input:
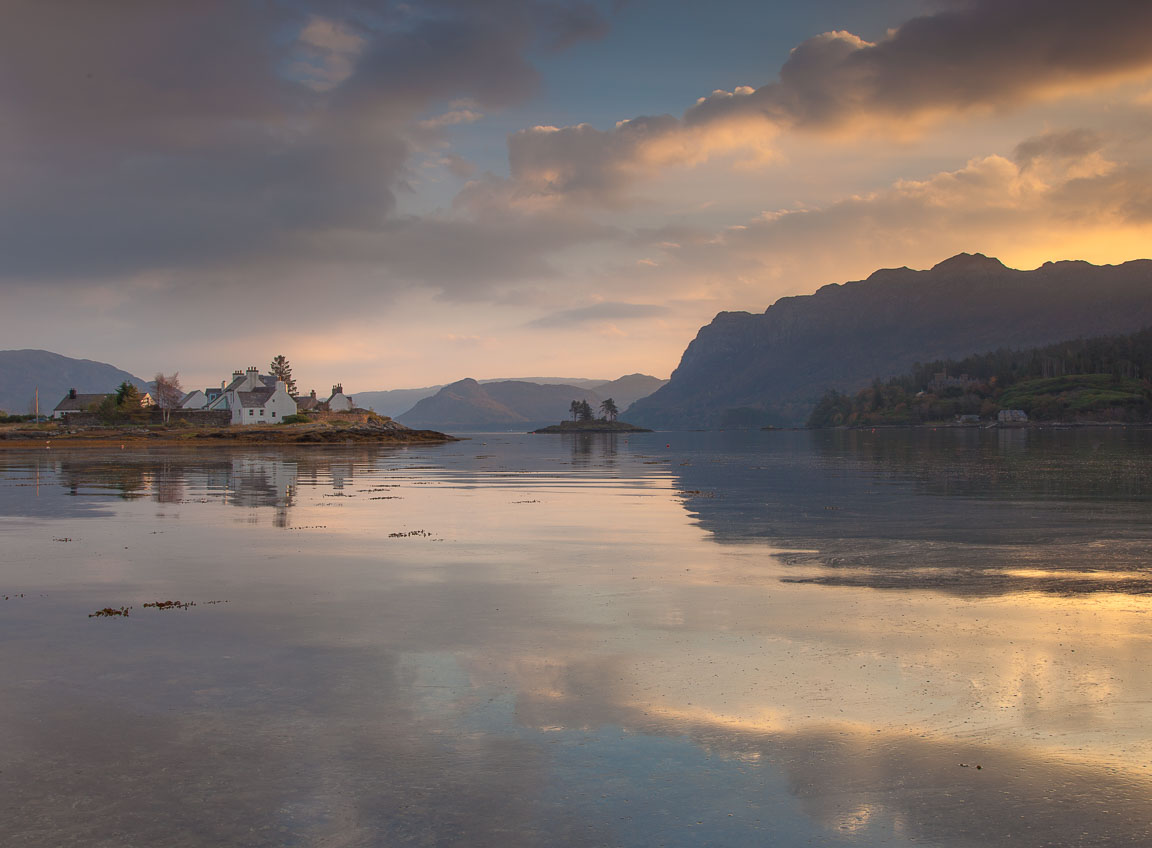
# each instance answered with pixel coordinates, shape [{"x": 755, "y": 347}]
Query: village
[{"x": 249, "y": 398}]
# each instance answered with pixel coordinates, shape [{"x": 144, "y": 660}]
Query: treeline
[{"x": 1101, "y": 378}]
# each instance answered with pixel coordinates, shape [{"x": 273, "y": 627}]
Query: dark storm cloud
[
  {"x": 978, "y": 55},
  {"x": 986, "y": 53},
  {"x": 163, "y": 134}
]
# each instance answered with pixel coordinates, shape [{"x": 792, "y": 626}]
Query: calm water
[{"x": 727, "y": 639}]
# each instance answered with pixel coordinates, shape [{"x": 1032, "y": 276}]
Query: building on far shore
[
  {"x": 308, "y": 402},
  {"x": 195, "y": 399},
  {"x": 76, "y": 402},
  {"x": 338, "y": 401},
  {"x": 1012, "y": 416},
  {"x": 255, "y": 398}
]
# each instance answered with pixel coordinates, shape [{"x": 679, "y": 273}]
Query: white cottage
[
  {"x": 76, "y": 402},
  {"x": 195, "y": 399},
  {"x": 255, "y": 398},
  {"x": 339, "y": 402}
]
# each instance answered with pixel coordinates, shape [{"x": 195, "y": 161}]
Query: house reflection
[{"x": 243, "y": 480}]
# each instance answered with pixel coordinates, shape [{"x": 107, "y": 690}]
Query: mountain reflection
[{"x": 969, "y": 511}]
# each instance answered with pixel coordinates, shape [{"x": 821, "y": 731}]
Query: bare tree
[{"x": 169, "y": 393}]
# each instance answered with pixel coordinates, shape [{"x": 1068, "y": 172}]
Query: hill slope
[
  {"x": 505, "y": 405},
  {"x": 628, "y": 389},
  {"x": 395, "y": 402},
  {"x": 22, "y": 371},
  {"x": 771, "y": 368}
]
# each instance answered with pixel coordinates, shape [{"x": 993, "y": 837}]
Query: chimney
[
  {"x": 339, "y": 388},
  {"x": 313, "y": 394},
  {"x": 72, "y": 394},
  {"x": 252, "y": 369},
  {"x": 237, "y": 373},
  {"x": 333, "y": 390}
]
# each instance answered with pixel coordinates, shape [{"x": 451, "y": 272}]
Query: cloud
[
  {"x": 980, "y": 55},
  {"x": 607, "y": 311},
  {"x": 1061, "y": 199},
  {"x": 1067, "y": 144},
  {"x": 169, "y": 136}
]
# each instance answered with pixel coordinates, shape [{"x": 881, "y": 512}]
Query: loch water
[{"x": 892, "y": 638}]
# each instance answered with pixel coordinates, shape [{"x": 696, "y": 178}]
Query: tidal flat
[{"x": 899, "y": 638}]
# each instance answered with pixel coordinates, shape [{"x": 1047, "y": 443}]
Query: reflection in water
[
  {"x": 590, "y": 449},
  {"x": 964, "y": 510},
  {"x": 594, "y": 643}
]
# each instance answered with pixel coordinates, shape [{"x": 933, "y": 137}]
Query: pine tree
[{"x": 282, "y": 370}]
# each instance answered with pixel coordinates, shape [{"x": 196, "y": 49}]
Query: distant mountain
[
  {"x": 771, "y": 368},
  {"x": 628, "y": 389},
  {"x": 582, "y": 382},
  {"x": 395, "y": 402},
  {"x": 504, "y": 405},
  {"x": 23, "y": 371}
]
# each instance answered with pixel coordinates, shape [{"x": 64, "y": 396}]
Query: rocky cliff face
[{"x": 749, "y": 370}]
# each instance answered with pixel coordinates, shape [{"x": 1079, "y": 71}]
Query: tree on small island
[
  {"x": 609, "y": 408},
  {"x": 581, "y": 410}
]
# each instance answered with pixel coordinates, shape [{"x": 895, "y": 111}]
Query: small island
[{"x": 583, "y": 420}]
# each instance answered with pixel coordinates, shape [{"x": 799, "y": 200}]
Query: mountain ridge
[{"x": 750, "y": 369}]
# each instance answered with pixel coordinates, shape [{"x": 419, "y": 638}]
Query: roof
[
  {"x": 307, "y": 402},
  {"x": 266, "y": 379},
  {"x": 80, "y": 403},
  {"x": 257, "y": 399}
]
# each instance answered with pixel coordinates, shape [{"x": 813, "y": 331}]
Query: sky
[{"x": 401, "y": 194}]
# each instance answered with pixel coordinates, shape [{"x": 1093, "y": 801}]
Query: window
[
  {"x": 261, "y": 411},
  {"x": 251, "y": 411},
  {"x": 273, "y": 413}
]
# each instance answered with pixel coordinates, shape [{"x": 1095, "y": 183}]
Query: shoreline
[
  {"x": 991, "y": 425},
  {"x": 307, "y": 435}
]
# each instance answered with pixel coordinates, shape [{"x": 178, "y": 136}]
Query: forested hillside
[{"x": 1105, "y": 378}]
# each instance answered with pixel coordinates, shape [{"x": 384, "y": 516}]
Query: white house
[
  {"x": 195, "y": 399},
  {"x": 339, "y": 402},
  {"x": 255, "y": 398},
  {"x": 76, "y": 402}
]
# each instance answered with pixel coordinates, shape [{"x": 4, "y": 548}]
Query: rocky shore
[{"x": 374, "y": 430}]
